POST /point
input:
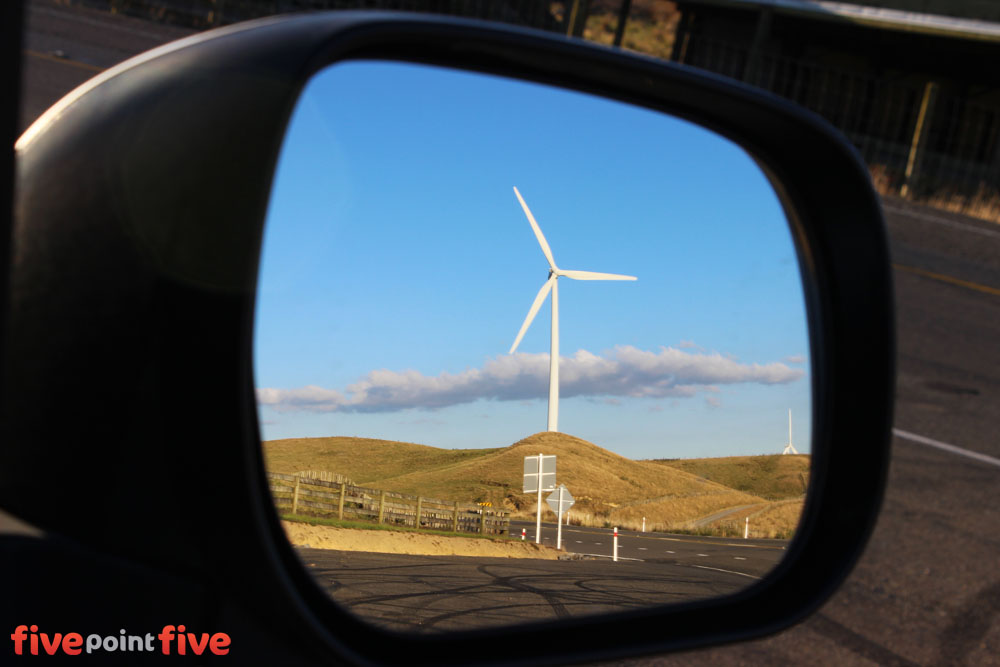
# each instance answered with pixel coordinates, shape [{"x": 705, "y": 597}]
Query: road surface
[
  {"x": 751, "y": 558},
  {"x": 437, "y": 593}
]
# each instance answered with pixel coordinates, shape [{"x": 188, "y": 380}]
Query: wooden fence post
[
  {"x": 381, "y": 506},
  {"x": 482, "y": 527},
  {"x": 420, "y": 502},
  {"x": 295, "y": 496},
  {"x": 340, "y": 508},
  {"x": 454, "y": 520},
  {"x": 919, "y": 141}
]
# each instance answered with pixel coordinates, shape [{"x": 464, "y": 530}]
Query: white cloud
[
  {"x": 796, "y": 359},
  {"x": 625, "y": 372},
  {"x": 712, "y": 401}
]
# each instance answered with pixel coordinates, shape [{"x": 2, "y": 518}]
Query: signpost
[
  {"x": 539, "y": 475},
  {"x": 560, "y": 501}
]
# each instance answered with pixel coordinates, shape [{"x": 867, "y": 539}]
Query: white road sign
[
  {"x": 532, "y": 474},
  {"x": 567, "y": 499}
]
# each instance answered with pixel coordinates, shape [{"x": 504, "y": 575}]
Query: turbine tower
[
  {"x": 790, "y": 448},
  {"x": 552, "y": 285}
]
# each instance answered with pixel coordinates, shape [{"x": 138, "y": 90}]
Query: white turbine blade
[
  {"x": 593, "y": 275},
  {"x": 542, "y": 293},
  {"x": 538, "y": 231}
]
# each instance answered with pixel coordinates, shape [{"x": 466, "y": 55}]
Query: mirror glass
[{"x": 421, "y": 220}]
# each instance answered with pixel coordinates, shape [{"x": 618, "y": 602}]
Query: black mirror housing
[{"x": 140, "y": 203}]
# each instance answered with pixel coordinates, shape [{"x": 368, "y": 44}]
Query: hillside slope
[
  {"x": 364, "y": 460},
  {"x": 774, "y": 477},
  {"x": 600, "y": 481},
  {"x": 604, "y": 484}
]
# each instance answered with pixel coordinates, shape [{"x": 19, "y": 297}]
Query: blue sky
[{"x": 398, "y": 267}]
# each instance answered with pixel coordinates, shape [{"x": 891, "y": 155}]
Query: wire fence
[
  {"x": 311, "y": 495},
  {"x": 921, "y": 139}
]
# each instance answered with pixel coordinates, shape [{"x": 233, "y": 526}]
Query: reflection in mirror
[{"x": 432, "y": 235}]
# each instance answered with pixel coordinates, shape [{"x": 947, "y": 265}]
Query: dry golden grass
[
  {"x": 609, "y": 489},
  {"x": 681, "y": 512},
  {"x": 600, "y": 481},
  {"x": 984, "y": 203},
  {"x": 777, "y": 520},
  {"x": 364, "y": 460},
  {"x": 772, "y": 520},
  {"x": 650, "y": 27},
  {"x": 774, "y": 477}
]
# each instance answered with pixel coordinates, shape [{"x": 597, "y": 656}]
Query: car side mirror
[{"x": 141, "y": 207}]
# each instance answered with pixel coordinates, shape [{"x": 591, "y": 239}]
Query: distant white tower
[{"x": 790, "y": 448}]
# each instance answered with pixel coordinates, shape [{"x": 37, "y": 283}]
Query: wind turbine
[
  {"x": 790, "y": 448},
  {"x": 552, "y": 285}
]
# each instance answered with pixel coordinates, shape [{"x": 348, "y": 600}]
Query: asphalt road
[
  {"x": 63, "y": 47},
  {"x": 751, "y": 558},
  {"x": 927, "y": 589},
  {"x": 437, "y": 593}
]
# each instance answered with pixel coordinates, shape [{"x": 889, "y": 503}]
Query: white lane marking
[
  {"x": 608, "y": 556},
  {"x": 942, "y": 221},
  {"x": 669, "y": 551},
  {"x": 945, "y": 446},
  {"x": 598, "y": 543},
  {"x": 738, "y": 558},
  {"x": 719, "y": 569},
  {"x": 643, "y": 549},
  {"x": 703, "y": 554},
  {"x": 579, "y": 541}
]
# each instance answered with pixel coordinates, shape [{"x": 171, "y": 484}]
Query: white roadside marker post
[
  {"x": 614, "y": 548},
  {"x": 559, "y": 518},
  {"x": 746, "y": 529},
  {"x": 523, "y": 533},
  {"x": 644, "y": 524}
]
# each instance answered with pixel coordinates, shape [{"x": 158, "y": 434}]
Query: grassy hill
[
  {"x": 609, "y": 489},
  {"x": 600, "y": 480},
  {"x": 364, "y": 460},
  {"x": 776, "y": 477}
]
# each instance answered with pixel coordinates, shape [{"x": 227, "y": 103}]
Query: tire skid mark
[
  {"x": 968, "y": 626},
  {"x": 427, "y": 594},
  {"x": 516, "y": 582},
  {"x": 857, "y": 643}
]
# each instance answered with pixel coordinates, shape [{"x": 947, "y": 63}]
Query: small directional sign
[
  {"x": 532, "y": 473},
  {"x": 563, "y": 494}
]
